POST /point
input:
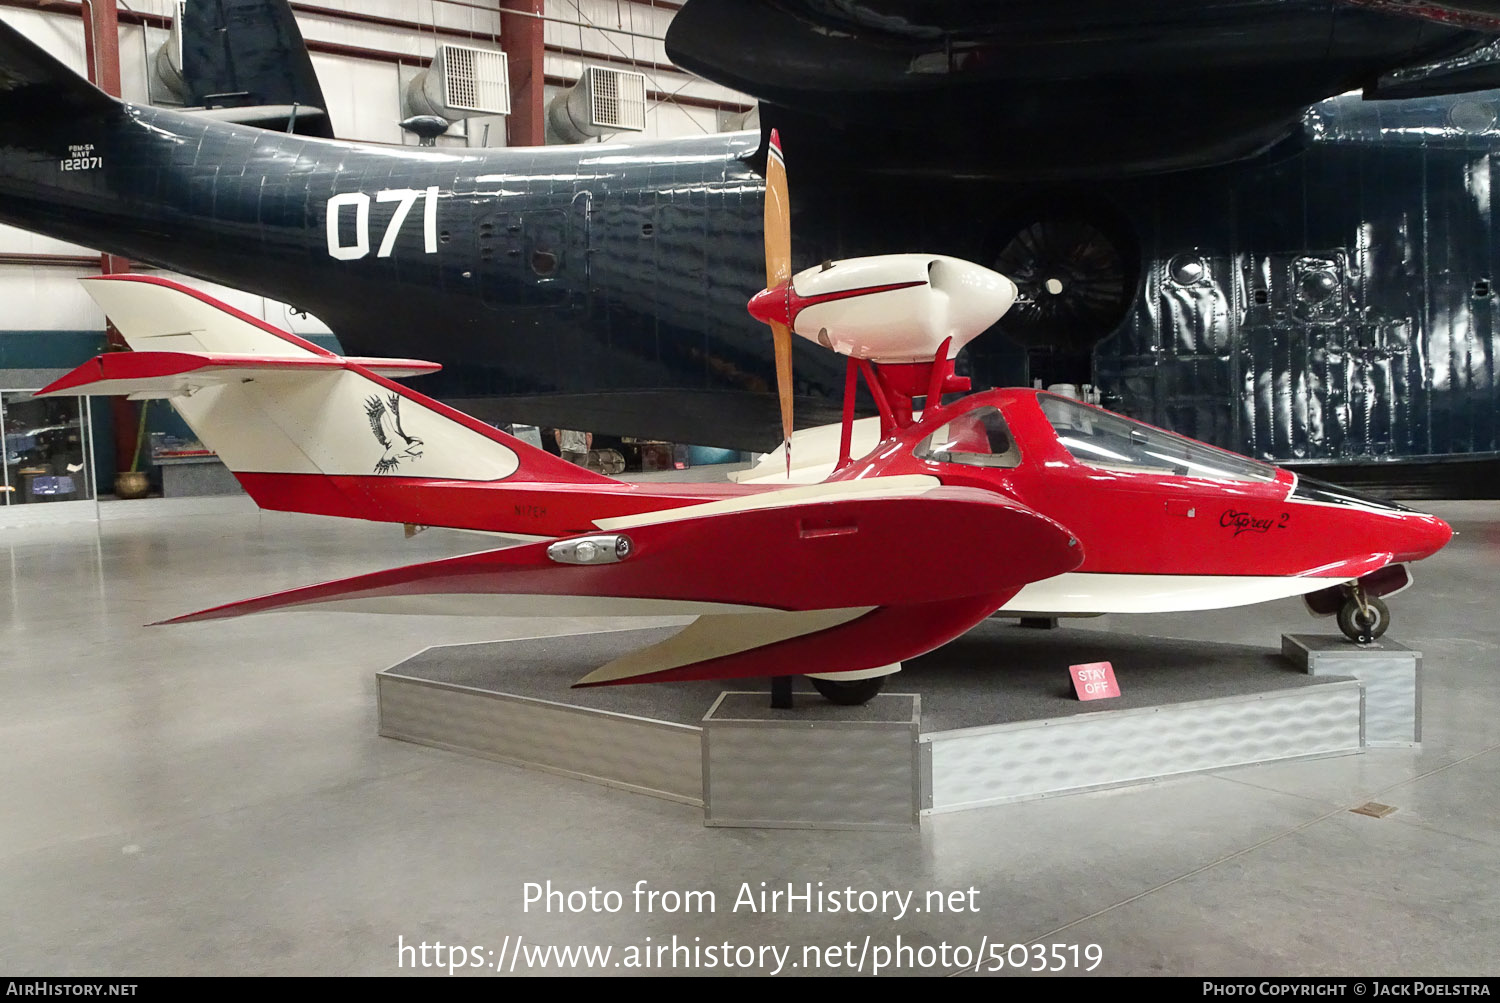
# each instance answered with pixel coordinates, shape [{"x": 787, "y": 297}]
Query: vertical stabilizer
[{"x": 250, "y": 54}]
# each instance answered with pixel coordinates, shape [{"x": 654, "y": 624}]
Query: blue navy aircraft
[{"x": 1204, "y": 221}]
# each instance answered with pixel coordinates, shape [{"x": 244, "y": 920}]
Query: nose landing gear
[
  {"x": 1363, "y": 618},
  {"x": 1360, "y": 605}
]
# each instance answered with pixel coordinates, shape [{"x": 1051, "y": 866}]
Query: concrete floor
[{"x": 213, "y": 798}]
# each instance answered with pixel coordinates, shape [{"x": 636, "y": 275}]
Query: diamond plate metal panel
[
  {"x": 651, "y": 757},
  {"x": 981, "y": 766},
  {"x": 1390, "y": 671},
  {"x": 820, "y": 773}
]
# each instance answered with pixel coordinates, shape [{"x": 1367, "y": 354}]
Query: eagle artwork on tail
[{"x": 385, "y": 423}]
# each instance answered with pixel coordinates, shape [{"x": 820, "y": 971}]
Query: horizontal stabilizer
[
  {"x": 275, "y": 117},
  {"x": 181, "y": 374}
]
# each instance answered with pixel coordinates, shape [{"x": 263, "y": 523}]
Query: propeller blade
[
  {"x": 778, "y": 218},
  {"x": 778, "y": 227},
  {"x": 782, "y": 336}
]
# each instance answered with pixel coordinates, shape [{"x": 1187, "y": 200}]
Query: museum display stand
[
  {"x": 1390, "y": 672},
  {"x": 195, "y": 476},
  {"x": 988, "y": 719},
  {"x": 817, "y": 765}
]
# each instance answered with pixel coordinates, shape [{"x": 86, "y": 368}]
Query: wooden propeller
[{"x": 778, "y": 228}]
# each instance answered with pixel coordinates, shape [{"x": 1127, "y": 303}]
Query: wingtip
[
  {"x": 82, "y": 376},
  {"x": 599, "y": 678},
  {"x": 205, "y": 614}
]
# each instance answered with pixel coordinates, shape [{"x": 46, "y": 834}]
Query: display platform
[
  {"x": 196, "y": 476},
  {"x": 1390, "y": 672},
  {"x": 826, "y": 767},
  {"x": 996, "y": 721}
]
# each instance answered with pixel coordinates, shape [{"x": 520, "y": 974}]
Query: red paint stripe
[
  {"x": 374, "y": 364},
  {"x": 783, "y": 304},
  {"x": 804, "y": 302}
]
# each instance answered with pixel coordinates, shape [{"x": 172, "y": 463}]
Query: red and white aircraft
[{"x": 1015, "y": 500}]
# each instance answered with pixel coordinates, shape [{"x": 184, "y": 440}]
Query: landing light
[{"x": 607, "y": 549}]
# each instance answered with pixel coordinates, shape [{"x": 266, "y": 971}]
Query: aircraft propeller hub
[{"x": 772, "y": 305}]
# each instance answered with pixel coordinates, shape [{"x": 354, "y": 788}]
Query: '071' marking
[{"x": 404, "y": 198}]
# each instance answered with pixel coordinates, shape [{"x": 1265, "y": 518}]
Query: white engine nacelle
[{"x": 898, "y": 307}]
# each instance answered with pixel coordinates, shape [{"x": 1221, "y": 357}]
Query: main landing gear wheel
[
  {"x": 1364, "y": 623},
  {"x": 849, "y": 693}
]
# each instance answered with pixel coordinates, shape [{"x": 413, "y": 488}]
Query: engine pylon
[{"x": 900, "y": 319}]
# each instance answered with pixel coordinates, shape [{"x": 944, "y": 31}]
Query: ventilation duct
[
  {"x": 462, "y": 82},
  {"x": 166, "y": 84},
  {"x": 603, "y": 101},
  {"x": 740, "y": 121}
]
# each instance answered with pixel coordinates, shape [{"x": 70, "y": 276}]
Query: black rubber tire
[
  {"x": 849, "y": 693},
  {"x": 1353, "y": 622}
]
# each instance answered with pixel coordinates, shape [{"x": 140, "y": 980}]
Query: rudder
[{"x": 250, "y": 55}]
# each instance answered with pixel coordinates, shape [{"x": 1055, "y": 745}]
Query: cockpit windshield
[
  {"x": 1110, "y": 442},
  {"x": 976, "y": 438}
]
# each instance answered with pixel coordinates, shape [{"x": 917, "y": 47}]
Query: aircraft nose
[{"x": 1422, "y": 536}]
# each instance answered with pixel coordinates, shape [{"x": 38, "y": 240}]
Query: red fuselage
[{"x": 1161, "y": 522}]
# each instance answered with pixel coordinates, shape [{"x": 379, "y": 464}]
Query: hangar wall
[{"x": 364, "y": 53}]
